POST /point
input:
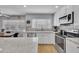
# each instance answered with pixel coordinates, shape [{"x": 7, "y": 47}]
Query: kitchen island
[{"x": 18, "y": 45}]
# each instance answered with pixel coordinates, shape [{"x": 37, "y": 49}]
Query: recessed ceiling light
[
  {"x": 57, "y": 6},
  {"x": 25, "y": 6}
]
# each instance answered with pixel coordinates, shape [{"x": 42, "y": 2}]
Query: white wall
[{"x": 42, "y": 24}]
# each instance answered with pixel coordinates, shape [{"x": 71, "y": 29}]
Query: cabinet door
[
  {"x": 63, "y": 12},
  {"x": 76, "y": 16},
  {"x": 71, "y": 47},
  {"x": 46, "y": 38},
  {"x": 69, "y": 10},
  {"x": 66, "y": 10}
]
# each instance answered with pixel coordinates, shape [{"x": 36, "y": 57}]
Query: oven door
[{"x": 60, "y": 44}]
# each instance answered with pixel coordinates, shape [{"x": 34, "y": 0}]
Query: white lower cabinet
[
  {"x": 72, "y": 47},
  {"x": 46, "y": 38}
]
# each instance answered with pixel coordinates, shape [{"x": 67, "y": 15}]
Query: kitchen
[{"x": 39, "y": 29}]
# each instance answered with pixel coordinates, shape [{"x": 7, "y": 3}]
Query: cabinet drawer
[
  {"x": 46, "y": 38},
  {"x": 72, "y": 47}
]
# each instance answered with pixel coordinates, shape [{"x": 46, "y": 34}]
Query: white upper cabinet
[
  {"x": 69, "y": 9},
  {"x": 76, "y": 16},
  {"x": 62, "y": 11},
  {"x": 65, "y": 10}
]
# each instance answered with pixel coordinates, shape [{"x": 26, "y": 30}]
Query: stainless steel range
[{"x": 60, "y": 43}]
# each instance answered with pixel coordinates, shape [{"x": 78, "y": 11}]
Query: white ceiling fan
[{"x": 3, "y": 14}]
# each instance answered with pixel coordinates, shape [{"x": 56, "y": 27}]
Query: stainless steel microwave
[{"x": 67, "y": 19}]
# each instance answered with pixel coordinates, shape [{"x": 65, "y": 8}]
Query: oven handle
[{"x": 60, "y": 36}]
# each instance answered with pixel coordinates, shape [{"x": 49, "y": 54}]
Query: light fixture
[
  {"x": 25, "y": 6},
  {"x": 56, "y": 6}
]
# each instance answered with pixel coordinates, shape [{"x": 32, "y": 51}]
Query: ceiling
[{"x": 21, "y": 10}]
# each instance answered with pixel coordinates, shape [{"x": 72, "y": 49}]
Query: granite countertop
[{"x": 66, "y": 36}]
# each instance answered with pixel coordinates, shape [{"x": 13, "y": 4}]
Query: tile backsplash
[{"x": 67, "y": 27}]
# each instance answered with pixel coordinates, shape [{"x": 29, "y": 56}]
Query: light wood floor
[{"x": 46, "y": 48}]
